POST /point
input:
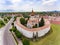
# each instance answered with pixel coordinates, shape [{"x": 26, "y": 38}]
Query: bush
[
  {"x": 26, "y": 42},
  {"x": 41, "y": 23}
]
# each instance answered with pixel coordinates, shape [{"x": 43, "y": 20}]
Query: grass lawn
[{"x": 52, "y": 38}]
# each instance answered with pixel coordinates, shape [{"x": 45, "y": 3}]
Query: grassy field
[{"x": 52, "y": 38}]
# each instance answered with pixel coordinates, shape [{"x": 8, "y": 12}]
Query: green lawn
[{"x": 52, "y": 38}]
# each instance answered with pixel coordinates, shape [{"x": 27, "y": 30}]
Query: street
[{"x": 6, "y": 37}]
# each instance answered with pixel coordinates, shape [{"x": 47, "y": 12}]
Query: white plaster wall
[
  {"x": 25, "y": 32},
  {"x": 43, "y": 32},
  {"x": 29, "y": 34}
]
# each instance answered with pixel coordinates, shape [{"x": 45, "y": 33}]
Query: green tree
[
  {"x": 13, "y": 24},
  {"x": 14, "y": 29},
  {"x": 9, "y": 17},
  {"x": 15, "y": 18},
  {"x": 35, "y": 26},
  {"x": 1, "y": 23},
  {"x": 18, "y": 34},
  {"x": 26, "y": 42},
  {"x": 5, "y": 20},
  {"x": 41, "y": 23},
  {"x": 23, "y": 21}
]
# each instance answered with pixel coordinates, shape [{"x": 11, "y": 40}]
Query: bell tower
[{"x": 32, "y": 13}]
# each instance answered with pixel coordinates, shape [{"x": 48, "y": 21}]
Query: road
[{"x": 8, "y": 38}]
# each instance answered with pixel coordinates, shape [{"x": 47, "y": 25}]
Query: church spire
[
  {"x": 32, "y": 11},
  {"x": 32, "y": 14}
]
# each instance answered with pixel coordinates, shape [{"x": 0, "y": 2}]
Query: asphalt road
[{"x": 7, "y": 36}]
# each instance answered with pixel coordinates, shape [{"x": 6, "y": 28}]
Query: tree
[
  {"x": 35, "y": 26},
  {"x": 41, "y": 23},
  {"x": 14, "y": 29},
  {"x": 15, "y": 18},
  {"x": 26, "y": 16},
  {"x": 26, "y": 42},
  {"x": 9, "y": 17},
  {"x": 13, "y": 24},
  {"x": 23, "y": 21},
  {"x": 1, "y": 23},
  {"x": 5, "y": 19},
  {"x": 18, "y": 34}
]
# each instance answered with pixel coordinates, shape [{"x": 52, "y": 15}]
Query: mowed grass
[{"x": 52, "y": 38}]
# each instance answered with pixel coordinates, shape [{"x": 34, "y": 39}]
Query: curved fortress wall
[
  {"x": 29, "y": 33},
  {"x": 26, "y": 33}
]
